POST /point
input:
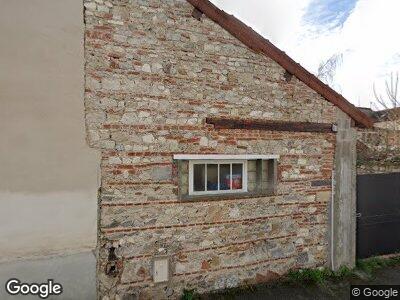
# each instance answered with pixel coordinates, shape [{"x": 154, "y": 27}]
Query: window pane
[
  {"x": 237, "y": 176},
  {"x": 212, "y": 177},
  {"x": 224, "y": 177},
  {"x": 198, "y": 178}
]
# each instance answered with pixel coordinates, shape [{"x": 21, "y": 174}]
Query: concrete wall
[
  {"x": 343, "y": 212},
  {"x": 48, "y": 186}
]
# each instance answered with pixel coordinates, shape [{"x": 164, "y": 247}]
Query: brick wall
[{"x": 153, "y": 74}]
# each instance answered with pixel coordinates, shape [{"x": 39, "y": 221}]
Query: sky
[{"x": 312, "y": 31}]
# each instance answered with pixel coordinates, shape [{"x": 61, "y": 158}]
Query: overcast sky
[{"x": 311, "y": 31}]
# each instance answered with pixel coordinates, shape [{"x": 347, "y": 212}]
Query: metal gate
[{"x": 378, "y": 214}]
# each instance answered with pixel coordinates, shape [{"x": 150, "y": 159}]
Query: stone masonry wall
[
  {"x": 391, "y": 125},
  {"x": 153, "y": 74},
  {"x": 378, "y": 151}
]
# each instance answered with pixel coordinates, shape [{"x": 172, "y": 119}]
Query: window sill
[{"x": 234, "y": 196}]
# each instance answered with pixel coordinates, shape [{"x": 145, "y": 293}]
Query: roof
[
  {"x": 259, "y": 44},
  {"x": 368, "y": 111}
]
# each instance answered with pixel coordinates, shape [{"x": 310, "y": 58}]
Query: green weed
[
  {"x": 370, "y": 265},
  {"x": 189, "y": 295}
]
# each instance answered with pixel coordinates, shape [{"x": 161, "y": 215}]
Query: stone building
[
  {"x": 378, "y": 148},
  {"x": 223, "y": 162},
  {"x": 386, "y": 119},
  {"x": 378, "y": 151}
]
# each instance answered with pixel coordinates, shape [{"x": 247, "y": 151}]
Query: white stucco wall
[{"x": 49, "y": 176}]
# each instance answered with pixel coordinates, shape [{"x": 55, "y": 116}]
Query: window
[
  {"x": 217, "y": 177},
  {"x": 225, "y": 174}
]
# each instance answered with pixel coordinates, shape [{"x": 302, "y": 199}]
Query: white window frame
[{"x": 217, "y": 162}]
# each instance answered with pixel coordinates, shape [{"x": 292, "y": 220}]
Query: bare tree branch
[
  {"x": 389, "y": 102},
  {"x": 391, "y": 99},
  {"x": 327, "y": 70}
]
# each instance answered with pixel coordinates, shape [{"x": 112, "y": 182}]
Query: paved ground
[
  {"x": 76, "y": 273},
  {"x": 334, "y": 291}
]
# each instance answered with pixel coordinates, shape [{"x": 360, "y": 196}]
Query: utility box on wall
[{"x": 161, "y": 269}]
